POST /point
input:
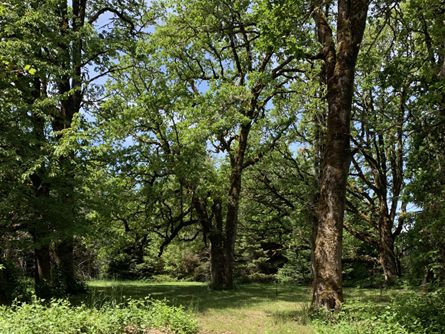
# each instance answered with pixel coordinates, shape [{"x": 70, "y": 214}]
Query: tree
[
  {"x": 376, "y": 201},
  {"x": 339, "y": 57},
  {"x": 424, "y": 28},
  {"x": 55, "y": 43},
  {"x": 228, "y": 78}
]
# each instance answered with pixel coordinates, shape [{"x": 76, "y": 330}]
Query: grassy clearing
[
  {"x": 250, "y": 309},
  {"x": 280, "y": 309}
]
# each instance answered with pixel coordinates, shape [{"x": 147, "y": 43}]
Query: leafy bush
[
  {"x": 59, "y": 317},
  {"x": 187, "y": 264},
  {"x": 411, "y": 313},
  {"x": 298, "y": 268},
  {"x": 12, "y": 284}
]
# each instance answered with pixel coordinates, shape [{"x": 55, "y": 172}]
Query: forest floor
[{"x": 250, "y": 309}]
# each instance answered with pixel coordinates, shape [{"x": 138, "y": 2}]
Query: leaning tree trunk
[{"x": 339, "y": 58}]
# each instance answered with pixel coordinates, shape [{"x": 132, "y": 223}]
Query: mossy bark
[{"x": 339, "y": 59}]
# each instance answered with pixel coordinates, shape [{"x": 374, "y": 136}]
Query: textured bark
[
  {"x": 339, "y": 58},
  {"x": 387, "y": 255},
  {"x": 213, "y": 231},
  {"x": 237, "y": 164},
  {"x": 222, "y": 235},
  {"x": 441, "y": 171},
  {"x": 217, "y": 257},
  {"x": 231, "y": 227}
]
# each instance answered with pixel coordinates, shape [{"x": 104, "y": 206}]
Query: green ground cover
[
  {"x": 142, "y": 307},
  {"x": 252, "y": 308},
  {"x": 277, "y": 308}
]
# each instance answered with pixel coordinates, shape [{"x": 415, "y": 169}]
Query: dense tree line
[{"x": 222, "y": 140}]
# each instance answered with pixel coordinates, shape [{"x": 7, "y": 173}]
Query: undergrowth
[
  {"x": 60, "y": 317},
  {"x": 409, "y": 313}
]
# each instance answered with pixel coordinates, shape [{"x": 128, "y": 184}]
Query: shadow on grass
[{"x": 196, "y": 296}]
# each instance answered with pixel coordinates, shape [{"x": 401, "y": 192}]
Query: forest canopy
[{"x": 222, "y": 141}]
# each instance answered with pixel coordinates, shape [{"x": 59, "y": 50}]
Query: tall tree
[
  {"x": 229, "y": 74},
  {"x": 60, "y": 39},
  {"x": 339, "y": 53},
  {"x": 376, "y": 202},
  {"x": 424, "y": 27}
]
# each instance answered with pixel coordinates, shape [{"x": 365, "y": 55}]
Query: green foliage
[
  {"x": 136, "y": 316},
  {"x": 298, "y": 269},
  {"x": 408, "y": 312},
  {"x": 12, "y": 284}
]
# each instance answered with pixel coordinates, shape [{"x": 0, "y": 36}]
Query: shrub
[
  {"x": 298, "y": 268},
  {"x": 411, "y": 313},
  {"x": 12, "y": 284},
  {"x": 59, "y": 317}
]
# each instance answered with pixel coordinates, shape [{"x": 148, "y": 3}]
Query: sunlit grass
[
  {"x": 249, "y": 309},
  {"x": 253, "y": 308}
]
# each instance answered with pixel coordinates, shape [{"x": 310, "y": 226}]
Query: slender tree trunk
[
  {"x": 339, "y": 58},
  {"x": 387, "y": 255},
  {"x": 441, "y": 171},
  {"x": 386, "y": 251},
  {"x": 42, "y": 262}
]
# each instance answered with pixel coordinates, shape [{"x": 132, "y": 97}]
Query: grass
[
  {"x": 271, "y": 308},
  {"x": 250, "y": 309}
]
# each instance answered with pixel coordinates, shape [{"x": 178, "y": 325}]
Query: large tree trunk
[
  {"x": 64, "y": 256},
  {"x": 339, "y": 58},
  {"x": 217, "y": 260},
  {"x": 70, "y": 86},
  {"x": 237, "y": 165},
  {"x": 40, "y": 232},
  {"x": 214, "y": 233},
  {"x": 223, "y": 239},
  {"x": 231, "y": 228}
]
